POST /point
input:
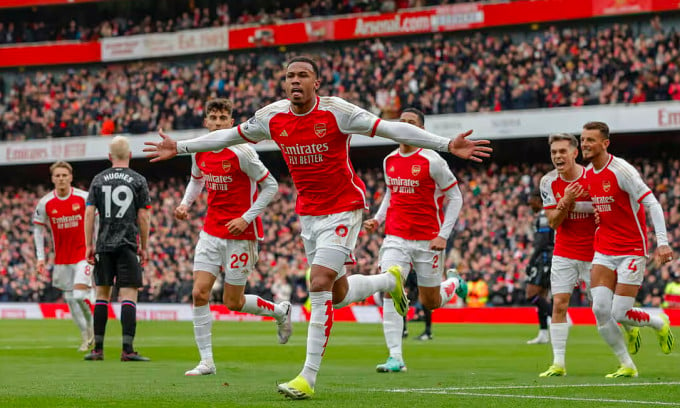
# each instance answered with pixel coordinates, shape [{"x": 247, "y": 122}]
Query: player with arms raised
[
  {"x": 570, "y": 214},
  {"x": 229, "y": 238},
  {"x": 63, "y": 209},
  {"x": 314, "y": 135},
  {"x": 619, "y": 194},
  {"x": 416, "y": 227}
]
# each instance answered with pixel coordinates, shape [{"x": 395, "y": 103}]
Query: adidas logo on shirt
[{"x": 283, "y": 134}]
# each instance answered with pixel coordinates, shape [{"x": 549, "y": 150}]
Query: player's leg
[
  {"x": 62, "y": 278},
  {"x": 209, "y": 259},
  {"x": 128, "y": 281},
  {"x": 202, "y": 318},
  {"x": 82, "y": 294},
  {"x": 328, "y": 243},
  {"x": 393, "y": 322},
  {"x": 427, "y": 333},
  {"x": 536, "y": 296},
  {"x": 104, "y": 273},
  {"x": 242, "y": 260},
  {"x": 356, "y": 288},
  {"x": 564, "y": 275},
  {"x": 630, "y": 275},
  {"x": 603, "y": 281}
]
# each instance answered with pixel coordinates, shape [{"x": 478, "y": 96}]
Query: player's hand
[
  {"x": 40, "y": 266},
  {"x": 468, "y": 149},
  {"x": 663, "y": 254},
  {"x": 89, "y": 255},
  {"x": 143, "y": 256},
  {"x": 438, "y": 244},
  {"x": 237, "y": 226},
  {"x": 163, "y": 150},
  {"x": 371, "y": 225},
  {"x": 181, "y": 212}
]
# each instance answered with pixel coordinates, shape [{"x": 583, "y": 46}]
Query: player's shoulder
[
  {"x": 430, "y": 155},
  {"x": 549, "y": 177},
  {"x": 80, "y": 193},
  {"x": 623, "y": 168},
  {"x": 336, "y": 104},
  {"x": 281, "y": 106},
  {"x": 46, "y": 198},
  {"x": 244, "y": 151},
  {"x": 393, "y": 153}
]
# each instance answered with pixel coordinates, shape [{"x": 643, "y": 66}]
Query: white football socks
[
  {"x": 203, "y": 332},
  {"x": 393, "y": 325},
  {"x": 320, "y": 323}
]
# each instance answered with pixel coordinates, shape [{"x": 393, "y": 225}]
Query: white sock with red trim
[
  {"x": 260, "y": 307},
  {"x": 624, "y": 313},
  {"x": 320, "y": 324},
  {"x": 447, "y": 290}
]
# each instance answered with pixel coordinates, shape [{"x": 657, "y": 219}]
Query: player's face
[
  {"x": 411, "y": 118},
  {"x": 61, "y": 178},
  {"x": 301, "y": 83},
  {"x": 563, "y": 155},
  {"x": 592, "y": 144},
  {"x": 218, "y": 119}
]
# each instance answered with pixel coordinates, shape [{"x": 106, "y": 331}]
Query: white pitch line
[
  {"x": 523, "y": 387},
  {"x": 547, "y": 397}
]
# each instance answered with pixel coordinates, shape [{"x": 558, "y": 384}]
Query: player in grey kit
[{"x": 121, "y": 197}]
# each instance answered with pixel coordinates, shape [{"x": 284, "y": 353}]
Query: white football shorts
[{"x": 237, "y": 257}]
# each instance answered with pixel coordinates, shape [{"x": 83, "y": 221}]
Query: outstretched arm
[
  {"x": 462, "y": 147},
  {"x": 168, "y": 148}
]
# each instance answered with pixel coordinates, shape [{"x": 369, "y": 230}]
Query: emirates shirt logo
[
  {"x": 415, "y": 169},
  {"x": 320, "y": 129},
  {"x": 226, "y": 166},
  {"x": 606, "y": 186}
]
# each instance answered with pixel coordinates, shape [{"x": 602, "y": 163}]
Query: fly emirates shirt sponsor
[
  {"x": 315, "y": 146},
  {"x": 617, "y": 191}
]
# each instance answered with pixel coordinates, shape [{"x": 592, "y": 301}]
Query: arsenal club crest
[
  {"x": 226, "y": 166},
  {"x": 606, "y": 186},
  {"x": 415, "y": 169},
  {"x": 75, "y": 207},
  {"x": 320, "y": 129}
]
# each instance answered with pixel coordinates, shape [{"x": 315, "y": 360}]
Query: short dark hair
[
  {"x": 418, "y": 113},
  {"x": 601, "y": 126},
  {"x": 308, "y": 60},
  {"x": 218, "y": 104},
  {"x": 563, "y": 136}
]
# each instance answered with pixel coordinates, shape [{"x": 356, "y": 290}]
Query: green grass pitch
[{"x": 465, "y": 365}]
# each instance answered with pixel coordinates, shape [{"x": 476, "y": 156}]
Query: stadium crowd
[
  {"x": 436, "y": 73},
  {"x": 194, "y": 15},
  {"x": 491, "y": 242}
]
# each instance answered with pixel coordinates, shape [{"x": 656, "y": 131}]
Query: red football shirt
[
  {"x": 231, "y": 176},
  {"x": 617, "y": 191},
  {"x": 315, "y": 146},
  {"x": 574, "y": 237},
  {"x": 66, "y": 218},
  {"x": 417, "y": 182}
]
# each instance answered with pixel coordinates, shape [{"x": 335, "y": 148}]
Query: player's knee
[
  {"x": 200, "y": 296},
  {"x": 602, "y": 310},
  {"x": 79, "y": 294},
  {"x": 234, "y": 304},
  {"x": 430, "y": 303}
]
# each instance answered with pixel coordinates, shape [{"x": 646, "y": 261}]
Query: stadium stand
[
  {"x": 43, "y": 25},
  {"x": 441, "y": 73}
]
